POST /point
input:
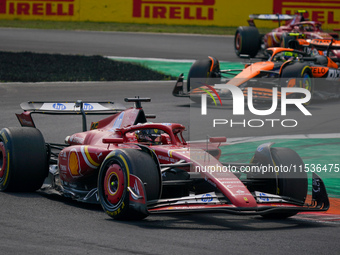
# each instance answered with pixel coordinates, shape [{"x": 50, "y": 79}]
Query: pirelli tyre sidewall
[
  {"x": 114, "y": 180},
  {"x": 23, "y": 159},
  {"x": 5, "y": 146},
  {"x": 303, "y": 75}
]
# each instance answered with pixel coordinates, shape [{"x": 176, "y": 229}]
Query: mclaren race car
[
  {"x": 249, "y": 41},
  {"x": 309, "y": 67},
  {"x": 135, "y": 168}
]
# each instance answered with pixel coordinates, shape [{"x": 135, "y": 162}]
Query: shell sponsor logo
[
  {"x": 37, "y": 7},
  {"x": 174, "y": 9},
  {"x": 276, "y": 38},
  {"x": 273, "y": 39},
  {"x": 74, "y": 163},
  {"x": 76, "y": 160}
]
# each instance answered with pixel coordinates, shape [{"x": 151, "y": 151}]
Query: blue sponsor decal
[
  {"x": 88, "y": 107},
  {"x": 206, "y": 198},
  {"x": 259, "y": 149},
  {"x": 263, "y": 197},
  {"x": 59, "y": 106}
]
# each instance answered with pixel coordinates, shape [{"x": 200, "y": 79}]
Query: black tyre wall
[
  {"x": 205, "y": 69},
  {"x": 286, "y": 40},
  {"x": 297, "y": 70},
  {"x": 291, "y": 183},
  {"x": 247, "y": 41}
]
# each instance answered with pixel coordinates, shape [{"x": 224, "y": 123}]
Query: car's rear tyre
[
  {"x": 23, "y": 159},
  {"x": 247, "y": 41},
  {"x": 205, "y": 69},
  {"x": 291, "y": 179},
  {"x": 303, "y": 74},
  {"x": 113, "y": 181}
]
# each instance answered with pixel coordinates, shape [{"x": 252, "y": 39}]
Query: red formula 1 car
[
  {"x": 134, "y": 168},
  {"x": 285, "y": 67},
  {"x": 249, "y": 41}
]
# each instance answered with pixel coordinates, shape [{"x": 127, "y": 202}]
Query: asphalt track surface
[
  {"x": 117, "y": 44},
  {"x": 39, "y": 224}
]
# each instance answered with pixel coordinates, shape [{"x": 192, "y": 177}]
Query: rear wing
[
  {"x": 72, "y": 107},
  {"x": 322, "y": 45},
  {"x": 291, "y": 19},
  {"x": 325, "y": 45},
  {"x": 274, "y": 17},
  {"x": 66, "y": 108}
]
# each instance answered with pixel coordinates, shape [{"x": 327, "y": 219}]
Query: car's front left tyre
[{"x": 114, "y": 180}]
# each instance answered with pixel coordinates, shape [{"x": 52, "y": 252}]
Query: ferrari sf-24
[
  {"x": 135, "y": 168},
  {"x": 249, "y": 41}
]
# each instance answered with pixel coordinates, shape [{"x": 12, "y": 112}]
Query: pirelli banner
[{"x": 181, "y": 12}]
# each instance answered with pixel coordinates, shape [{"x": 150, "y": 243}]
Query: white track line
[
  {"x": 154, "y": 59},
  {"x": 237, "y": 140}
]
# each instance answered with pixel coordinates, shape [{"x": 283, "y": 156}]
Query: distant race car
[
  {"x": 249, "y": 41},
  {"x": 285, "y": 67},
  {"x": 134, "y": 168}
]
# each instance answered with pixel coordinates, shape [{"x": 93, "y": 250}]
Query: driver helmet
[
  {"x": 288, "y": 55},
  {"x": 152, "y": 136}
]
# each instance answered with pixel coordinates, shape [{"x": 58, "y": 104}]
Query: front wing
[{"x": 266, "y": 203}]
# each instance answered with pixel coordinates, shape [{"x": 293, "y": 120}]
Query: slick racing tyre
[
  {"x": 303, "y": 76},
  {"x": 23, "y": 159},
  {"x": 286, "y": 41},
  {"x": 205, "y": 69},
  {"x": 247, "y": 41},
  {"x": 291, "y": 184},
  {"x": 114, "y": 179}
]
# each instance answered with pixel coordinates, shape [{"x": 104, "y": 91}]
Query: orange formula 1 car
[{"x": 285, "y": 67}]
